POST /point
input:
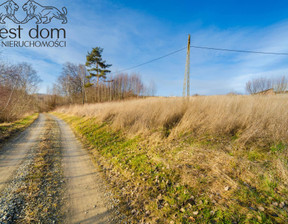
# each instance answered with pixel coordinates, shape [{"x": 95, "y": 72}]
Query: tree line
[
  {"x": 77, "y": 84},
  {"x": 257, "y": 85},
  {"x": 93, "y": 83},
  {"x": 74, "y": 85},
  {"x": 18, "y": 83}
]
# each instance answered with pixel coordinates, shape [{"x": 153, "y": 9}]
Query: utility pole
[{"x": 186, "y": 87}]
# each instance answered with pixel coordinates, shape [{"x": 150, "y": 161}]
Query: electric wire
[
  {"x": 150, "y": 61},
  {"x": 204, "y": 48},
  {"x": 239, "y": 51}
]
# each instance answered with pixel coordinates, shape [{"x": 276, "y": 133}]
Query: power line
[
  {"x": 239, "y": 51},
  {"x": 156, "y": 59},
  {"x": 205, "y": 48}
]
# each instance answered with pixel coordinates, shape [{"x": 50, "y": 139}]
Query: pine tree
[{"x": 97, "y": 67}]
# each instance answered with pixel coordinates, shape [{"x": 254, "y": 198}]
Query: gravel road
[
  {"x": 87, "y": 197},
  {"x": 14, "y": 152},
  {"x": 88, "y": 200}
]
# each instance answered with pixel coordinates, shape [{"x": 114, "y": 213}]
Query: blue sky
[{"x": 132, "y": 32}]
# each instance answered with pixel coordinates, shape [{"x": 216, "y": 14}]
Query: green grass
[
  {"x": 280, "y": 147},
  {"x": 7, "y": 130},
  {"x": 148, "y": 180}
]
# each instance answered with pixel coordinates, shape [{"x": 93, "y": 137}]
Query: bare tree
[
  {"x": 72, "y": 82},
  {"x": 17, "y": 84},
  {"x": 29, "y": 80},
  {"x": 74, "y": 78},
  {"x": 261, "y": 84},
  {"x": 280, "y": 84}
]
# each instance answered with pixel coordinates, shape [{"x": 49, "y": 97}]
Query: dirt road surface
[
  {"x": 13, "y": 153},
  {"x": 87, "y": 198}
]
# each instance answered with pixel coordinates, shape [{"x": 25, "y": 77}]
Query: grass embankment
[
  {"x": 214, "y": 159},
  {"x": 7, "y": 130}
]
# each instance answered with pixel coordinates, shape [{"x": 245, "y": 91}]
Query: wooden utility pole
[{"x": 186, "y": 87}]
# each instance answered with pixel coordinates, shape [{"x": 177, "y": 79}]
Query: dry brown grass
[
  {"x": 231, "y": 150},
  {"x": 249, "y": 118}
]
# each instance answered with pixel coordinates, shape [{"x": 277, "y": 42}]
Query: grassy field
[
  {"x": 210, "y": 159},
  {"x": 7, "y": 130}
]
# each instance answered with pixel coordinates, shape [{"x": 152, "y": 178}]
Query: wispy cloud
[{"x": 130, "y": 37}]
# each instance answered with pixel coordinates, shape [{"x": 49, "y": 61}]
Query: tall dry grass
[
  {"x": 237, "y": 179},
  {"x": 250, "y": 118}
]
